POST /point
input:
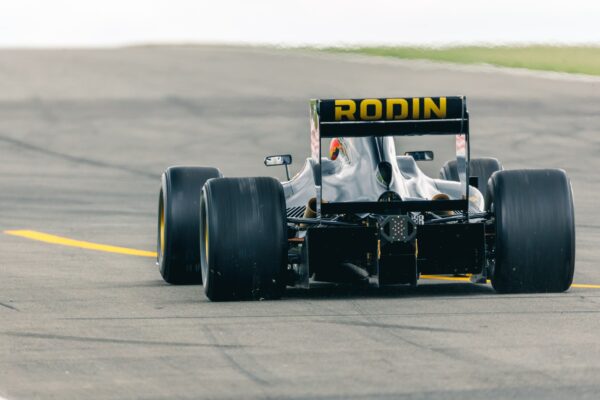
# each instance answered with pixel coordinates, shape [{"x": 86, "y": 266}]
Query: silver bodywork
[{"x": 353, "y": 176}]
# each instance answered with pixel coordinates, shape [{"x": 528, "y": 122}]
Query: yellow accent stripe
[
  {"x": 446, "y": 278},
  {"x": 585, "y": 286},
  {"x": 463, "y": 279},
  {"x": 47, "y": 238}
]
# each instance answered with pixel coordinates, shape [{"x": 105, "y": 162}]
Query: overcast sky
[{"x": 41, "y": 23}]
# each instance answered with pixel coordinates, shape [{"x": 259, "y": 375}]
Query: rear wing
[
  {"x": 392, "y": 117},
  {"x": 409, "y": 116}
]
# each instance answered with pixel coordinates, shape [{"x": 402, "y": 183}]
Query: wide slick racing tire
[
  {"x": 534, "y": 231},
  {"x": 243, "y": 238},
  {"x": 483, "y": 168},
  {"x": 178, "y": 254}
]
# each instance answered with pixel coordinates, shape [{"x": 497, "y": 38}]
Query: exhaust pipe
[
  {"x": 311, "y": 208},
  {"x": 442, "y": 196}
]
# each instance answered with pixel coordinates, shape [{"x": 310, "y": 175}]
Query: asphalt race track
[{"x": 84, "y": 137}]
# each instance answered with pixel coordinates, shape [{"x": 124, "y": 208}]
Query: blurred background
[{"x": 72, "y": 23}]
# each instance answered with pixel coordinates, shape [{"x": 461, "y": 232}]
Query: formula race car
[{"x": 367, "y": 215}]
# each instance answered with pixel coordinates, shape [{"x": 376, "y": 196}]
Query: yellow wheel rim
[
  {"x": 162, "y": 230},
  {"x": 205, "y": 240}
]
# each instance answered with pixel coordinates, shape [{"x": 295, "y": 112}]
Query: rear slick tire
[
  {"x": 243, "y": 239},
  {"x": 535, "y": 231},
  {"x": 178, "y": 256}
]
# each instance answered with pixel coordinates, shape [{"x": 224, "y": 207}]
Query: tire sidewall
[
  {"x": 206, "y": 224},
  {"x": 164, "y": 256}
]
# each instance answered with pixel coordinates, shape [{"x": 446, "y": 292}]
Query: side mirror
[
  {"x": 425, "y": 155},
  {"x": 282, "y": 159}
]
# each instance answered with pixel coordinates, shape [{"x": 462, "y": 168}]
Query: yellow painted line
[
  {"x": 446, "y": 278},
  {"x": 585, "y": 286},
  {"x": 464, "y": 279},
  {"x": 63, "y": 241}
]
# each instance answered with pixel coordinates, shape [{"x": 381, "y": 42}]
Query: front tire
[
  {"x": 178, "y": 255},
  {"x": 535, "y": 231},
  {"x": 243, "y": 238}
]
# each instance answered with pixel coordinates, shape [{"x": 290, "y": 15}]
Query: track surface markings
[
  {"x": 466, "y": 279},
  {"x": 60, "y": 240},
  {"x": 47, "y": 238}
]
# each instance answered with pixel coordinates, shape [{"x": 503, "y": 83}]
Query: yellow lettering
[
  {"x": 429, "y": 107},
  {"x": 372, "y": 109},
  {"x": 415, "y": 108},
  {"x": 347, "y": 112},
  {"x": 389, "y": 108},
  {"x": 364, "y": 111}
]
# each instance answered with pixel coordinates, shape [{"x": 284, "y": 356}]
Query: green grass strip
[{"x": 571, "y": 59}]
